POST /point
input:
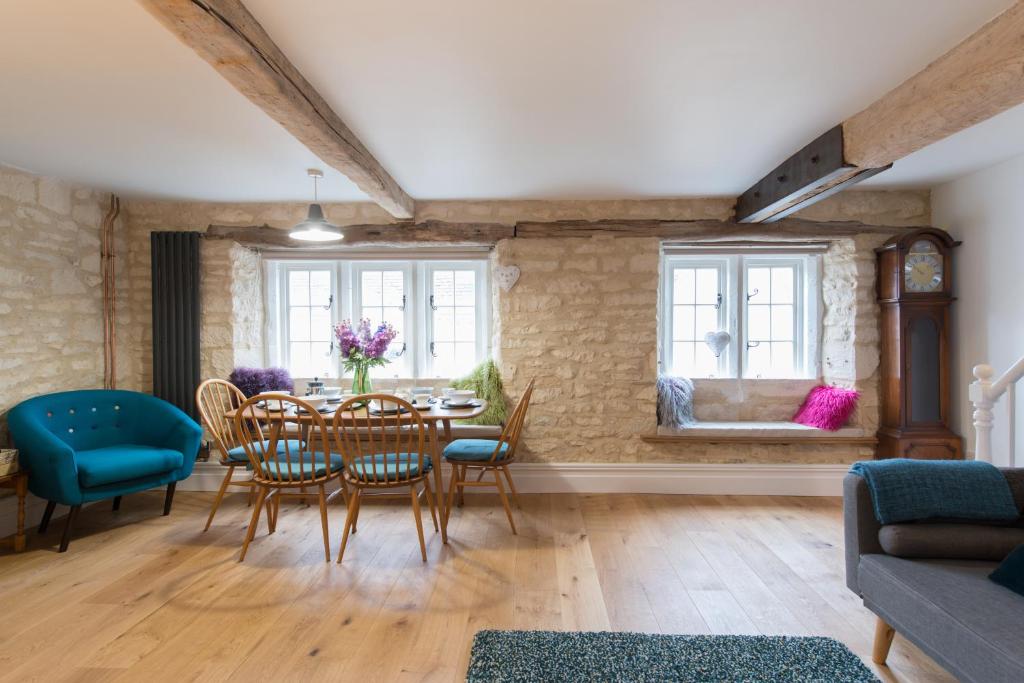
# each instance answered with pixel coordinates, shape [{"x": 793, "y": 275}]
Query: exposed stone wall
[{"x": 51, "y": 309}]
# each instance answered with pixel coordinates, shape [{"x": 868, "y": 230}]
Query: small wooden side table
[{"x": 19, "y": 482}]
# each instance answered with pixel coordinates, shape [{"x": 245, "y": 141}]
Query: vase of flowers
[{"x": 363, "y": 348}]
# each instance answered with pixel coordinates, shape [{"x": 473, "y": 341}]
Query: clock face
[{"x": 923, "y": 268}]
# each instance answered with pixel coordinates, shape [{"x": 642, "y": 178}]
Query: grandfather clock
[{"x": 915, "y": 292}]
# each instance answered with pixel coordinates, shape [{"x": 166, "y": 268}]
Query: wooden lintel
[
  {"x": 979, "y": 78},
  {"x": 702, "y": 230},
  {"x": 427, "y": 233},
  {"x": 226, "y": 35}
]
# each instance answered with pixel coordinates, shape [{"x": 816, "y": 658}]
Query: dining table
[{"x": 437, "y": 417}]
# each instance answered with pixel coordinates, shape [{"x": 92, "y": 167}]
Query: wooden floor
[{"x": 140, "y": 597}]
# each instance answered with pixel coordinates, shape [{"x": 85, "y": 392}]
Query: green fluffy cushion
[{"x": 485, "y": 380}]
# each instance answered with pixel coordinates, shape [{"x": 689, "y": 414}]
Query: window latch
[
  {"x": 718, "y": 301},
  {"x": 753, "y": 344},
  {"x": 330, "y": 350},
  {"x": 330, "y": 303},
  {"x": 432, "y": 306},
  {"x": 400, "y": 352},
  {"x": 402, "y": 307},
  {"x": 432, "y": 345},
  {"x": 753, "y": 294}
]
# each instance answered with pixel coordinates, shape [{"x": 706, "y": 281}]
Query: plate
[
  {"x": 472, "y": 403},
  {"x": 322, "y": 411}
]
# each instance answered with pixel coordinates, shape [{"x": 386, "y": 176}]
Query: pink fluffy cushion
[{"x": 827, "y": 407}]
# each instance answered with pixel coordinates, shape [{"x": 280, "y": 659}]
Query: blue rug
[{"x": 549, "y": 656}]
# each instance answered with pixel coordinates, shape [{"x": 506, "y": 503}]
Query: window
[
  {"x": 439, "y": 308},
  {"x": 767, "y": 303}
]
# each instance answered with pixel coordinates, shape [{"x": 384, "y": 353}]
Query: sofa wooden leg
[
  {"x": 68, "y": 526},
  {"x": 883, "y": 640},
  {"x": 47, "y": 514},
  {"x": 169, "y": 498},
  {"x": 117, "y": 504}
]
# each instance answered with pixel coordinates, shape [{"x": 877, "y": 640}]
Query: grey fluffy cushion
[{"x": 950, "y": 541}]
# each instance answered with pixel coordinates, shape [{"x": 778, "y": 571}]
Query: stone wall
[{"x": 51, "y": 309}]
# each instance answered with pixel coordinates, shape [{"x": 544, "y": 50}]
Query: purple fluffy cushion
[{"x": 827, "y": 407}]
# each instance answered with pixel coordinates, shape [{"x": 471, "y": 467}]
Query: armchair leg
[
  {"x": 68, "y": 525},
  {"x": 47, "y": 514},
  {"x": 169, "y": 498},
  {"x": 117, "y": 504},
  {"x": 883, "y": 640}
]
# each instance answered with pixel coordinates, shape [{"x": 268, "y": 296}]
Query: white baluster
[
  {"x": 1011, "y": 409},
  {"x": 983, "y": 418}
]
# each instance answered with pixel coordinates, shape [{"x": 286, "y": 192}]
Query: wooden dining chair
[
  {"x": 488, "y": 455},
  {"x": 383, "y": 451},
  {"x": 282, "y": 466}
]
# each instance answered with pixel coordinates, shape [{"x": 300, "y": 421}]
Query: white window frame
[
  {"x": 347, "y": 282},
  {"x": 733, "y": 313}
]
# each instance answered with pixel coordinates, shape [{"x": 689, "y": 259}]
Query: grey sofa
[{"x": 947, "y": 607}]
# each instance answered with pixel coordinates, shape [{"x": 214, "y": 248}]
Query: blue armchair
[{"x": 83, "y": 446}]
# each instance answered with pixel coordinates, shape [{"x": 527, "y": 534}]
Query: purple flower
[
  {"x": 362, "y": 347},
  {"x": 252, "y": 381}
]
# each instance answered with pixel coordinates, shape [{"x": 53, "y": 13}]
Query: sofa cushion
[
  {"x": 114, "y": 464},
  {"x": 950, "y": 541},
  {"x": 1010, "y": 574},
  {"x": 951, "y": 610}
]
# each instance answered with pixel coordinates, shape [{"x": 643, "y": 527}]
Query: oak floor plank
[{"x": 145, "y": 597}]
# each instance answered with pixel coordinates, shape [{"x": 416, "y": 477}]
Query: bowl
[
  {"x": 461, "y": 395},
  {"x": 315, "y": 402}
]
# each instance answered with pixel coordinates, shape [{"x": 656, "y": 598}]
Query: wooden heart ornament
[
  {"x": 717, "y": 341},
  {"x": 506, "y": 276}
]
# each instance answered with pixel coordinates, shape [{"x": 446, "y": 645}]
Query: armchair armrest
[
  {"x": 860, "y": 528},
  {"x": 53, "y": 473},
  {"x": 165, "y": 426}
]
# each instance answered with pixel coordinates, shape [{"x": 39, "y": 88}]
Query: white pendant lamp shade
[{"x": 315, "y": 228}]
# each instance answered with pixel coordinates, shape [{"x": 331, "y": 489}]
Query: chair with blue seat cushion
[
  {"x": 488, "y": 455},
  {"x": 83, "y": 446},
  {"x": 282, "y": 466},
  {"x": 383, "y": 451}
]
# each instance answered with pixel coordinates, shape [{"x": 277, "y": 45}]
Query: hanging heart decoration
[
  {"x": 507, "y": 276},
  {"x": 717, "y": 341}
]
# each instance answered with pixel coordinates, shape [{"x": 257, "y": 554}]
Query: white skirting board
[{"x": 684, "y": 478}]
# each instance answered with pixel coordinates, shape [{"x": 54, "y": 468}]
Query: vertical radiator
[{"x": 175, "y": 272}]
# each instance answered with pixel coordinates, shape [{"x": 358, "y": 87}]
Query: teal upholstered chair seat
[
  {"x": 474, "y": 450},
  {"x": 390, "y": 467},
  {"x": 237, "y": 454},
  {"x": 294, "y": 467},
  {"x": 113, "y": 464}
]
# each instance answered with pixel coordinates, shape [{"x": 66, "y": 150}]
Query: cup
[
  {"x": 421, "y": 399},
  {"x": 447, "y": 391}
]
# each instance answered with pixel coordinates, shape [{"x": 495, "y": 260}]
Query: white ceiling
[{"x": 469, "y": 99}]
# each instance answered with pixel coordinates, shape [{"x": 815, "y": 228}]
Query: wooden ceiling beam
[
  {"x": 979, "y": 78},
  {"x": 229, "y": 38}
]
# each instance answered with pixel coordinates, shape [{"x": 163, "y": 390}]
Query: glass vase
[{"x": 361, "y": 383}]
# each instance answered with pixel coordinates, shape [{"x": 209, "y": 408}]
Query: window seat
[{"x": 761, "y": 433}]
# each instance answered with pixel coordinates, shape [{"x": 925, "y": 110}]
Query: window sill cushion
[{"x": 767, "y": 433}]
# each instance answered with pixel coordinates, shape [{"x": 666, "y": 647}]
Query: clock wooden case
[{"x": 915, "y": 292}]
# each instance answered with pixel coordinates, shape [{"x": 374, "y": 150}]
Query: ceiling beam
[
  {"x": 404, "y": 234},
  {"x": 979, "y": 78},
  {"x": 229, "y": 38}
]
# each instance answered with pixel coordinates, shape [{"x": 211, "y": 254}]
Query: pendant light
[{"x": 315, "y": 228}]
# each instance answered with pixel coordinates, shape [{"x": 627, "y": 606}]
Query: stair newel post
[{"x": 981, "y": 397}]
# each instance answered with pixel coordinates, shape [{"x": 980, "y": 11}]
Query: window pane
[
  {"x": 299, "y": 360},
  {"x": 298, "y": 324},
  {"x": 682, "y": 358},
  {"x": 465, "y": 288},
  {"x": 684, "y": 288},
  {"x": 705, "y": 363},
  {"x": 782, "y": 285},
  {"x": 707, "y": 321},
  {"x": 782, "y": 322},
  {"x": 444, "y": 361},
  {"x": 758, "y": 323},
  {"x": 683, "y": 323},
  {"x": 319, "y": 288},
  {"x": 393, "y": 287},
  {"x": 465, "y": 324},
  {"x": 373, "y": 293},
  {"x": 707, "y": 285},
  {"x": 782, "y": 359},
  {"x": 465, "y": 358},
  {"x": 444, "y": 324},
  {"x": 759, "y": 360},
  {"x": 759, "y": 285},
  {"x": 444, "y": 288},
  {"x": 320, "y": 359},
  {"x": 319, "y": 324},
  {"x": 394, "y": 317},
  {"x": 298, "y": 288}
]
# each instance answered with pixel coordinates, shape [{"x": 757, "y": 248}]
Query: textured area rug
[{"x": 549, "y": 656}]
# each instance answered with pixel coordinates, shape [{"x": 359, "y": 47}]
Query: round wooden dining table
[{"x": 436, "y": 418}]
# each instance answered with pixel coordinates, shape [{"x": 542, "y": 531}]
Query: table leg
[
  {"x": 438, "y": 483},
  {"x": 22, "y": 490}
]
